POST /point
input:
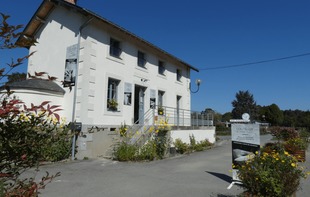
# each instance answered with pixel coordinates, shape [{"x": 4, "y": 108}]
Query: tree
[
  {"x": 272, "y": 114},
  {"x": 211, "y": 113},
  {"x": 227, "y": 117},
  {"x": 244, "y": 103}
]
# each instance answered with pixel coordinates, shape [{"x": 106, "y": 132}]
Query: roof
[
  {"x": 47, "y": 7},
  {"x": 36, "y": 84}
]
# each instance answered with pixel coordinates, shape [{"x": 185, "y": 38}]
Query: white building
[{"x": 112, "y": 64}]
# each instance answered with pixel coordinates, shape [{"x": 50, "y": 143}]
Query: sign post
[{"x": 245, "y": 139}]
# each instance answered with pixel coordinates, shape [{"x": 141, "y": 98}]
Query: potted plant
[
  {"x": 160, "y": 110},
  {"x": 112, "y": 104}
]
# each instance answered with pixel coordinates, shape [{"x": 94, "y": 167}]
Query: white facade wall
[
  {"x": 96, "y": 66},
  {"x": 29, "y": 97},
  {"x": 59, "y": 32},
  {"x": 200, "y": 135}
]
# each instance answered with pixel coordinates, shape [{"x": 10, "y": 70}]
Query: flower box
[{"x": 300, "y": 155}]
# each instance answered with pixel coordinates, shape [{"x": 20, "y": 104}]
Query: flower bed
[{"x": 271, "y": 174}]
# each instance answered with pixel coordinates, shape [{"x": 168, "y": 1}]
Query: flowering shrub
[
  {"x": 271, "y": 174},
  {"x": 162, "y": 127},
  {"x": 28, "y": 136},
  {"x": 155, "y": 147},
  {"x": 181, "y": 147},
  {"x": 295, "y": 144},
  {"x": 25, "y": 133},
  {"x": 123, "y": 130},
  {"x": 284, "y": 133}
]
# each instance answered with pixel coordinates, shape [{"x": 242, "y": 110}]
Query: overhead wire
[{"x": 253, "y": 63}]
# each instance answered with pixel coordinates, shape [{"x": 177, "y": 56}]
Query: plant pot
[{"x": 300, "y": 155}]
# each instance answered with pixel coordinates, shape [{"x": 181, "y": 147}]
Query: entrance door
[{"x": 139, "y": 105}]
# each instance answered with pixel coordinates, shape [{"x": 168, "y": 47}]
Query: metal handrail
[
  {"x": 140, "y": 133},
  {"x": 137, "y": 130}
]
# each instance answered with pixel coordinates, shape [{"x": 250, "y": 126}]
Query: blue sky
[{"x": 216, "y": 33}]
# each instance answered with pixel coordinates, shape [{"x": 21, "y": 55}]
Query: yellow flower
[
  {"x": 286, "y": 153},
  {"x": 293, "y": 164}
]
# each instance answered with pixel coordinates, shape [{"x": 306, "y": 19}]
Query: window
[
  {"x": 161, "y": 98},
  {"x": 161, "y": 68},
  {"x": 115, "y": 48},
  {"x": 161, "y": 109},
  {"x": 179, "y": 74},
  {"x": 112, "y": 101},
  {"x": 141, "y": 59}
]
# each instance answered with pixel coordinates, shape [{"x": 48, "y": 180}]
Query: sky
[{"x": 220, "y": 38}]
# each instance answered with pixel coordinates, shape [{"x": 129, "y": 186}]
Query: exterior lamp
[{"x": 198, "y": 82}]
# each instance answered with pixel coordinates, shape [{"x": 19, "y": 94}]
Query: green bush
[
  {"x": 181, "y": 147},
  {"x": 27, "y": 135},
  {"x": 161, "y": 146},
  {"x": 221, "y": 128},
  {"x": 304, "y": 134},
  {"x": 126, "y": 152},
  {"x": 273, "y": 174},
  {"x": 59, "y": 148},
  {"x": 147, "y": 152},
  {"x": 206, "y": 143},
  {"x": 192, "y": 143},
  {"x": 223, "y": 133}
]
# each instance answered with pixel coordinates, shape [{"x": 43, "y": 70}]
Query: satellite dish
[{"x": 246, "y": 116}]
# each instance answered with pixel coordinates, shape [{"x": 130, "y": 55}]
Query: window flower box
[{"x": 112, "y": 105}]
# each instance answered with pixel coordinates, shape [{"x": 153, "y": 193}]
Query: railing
[
  {"x": 183, "y": 117},
  {"x": 141, "y": 133}
]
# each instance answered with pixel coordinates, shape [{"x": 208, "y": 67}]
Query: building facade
[
  {"x": 106, "y": 75},
  {"x": 110, "y": 76}
]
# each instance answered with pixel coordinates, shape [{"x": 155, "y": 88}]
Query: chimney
[{"x": 71, "y": 1}]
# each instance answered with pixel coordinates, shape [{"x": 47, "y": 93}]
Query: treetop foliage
[{"x": 244, "y": 103}]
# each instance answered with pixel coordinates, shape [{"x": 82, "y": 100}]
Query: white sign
[{"x": 246, "y": 133}]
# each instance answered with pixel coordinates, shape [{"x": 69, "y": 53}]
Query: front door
[{"x": 139, "y": 105}]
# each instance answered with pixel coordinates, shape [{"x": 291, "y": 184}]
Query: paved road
[{"x": 198, "y": 174}]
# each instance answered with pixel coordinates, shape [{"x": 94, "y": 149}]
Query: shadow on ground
[{"x": 221, "y": 176}]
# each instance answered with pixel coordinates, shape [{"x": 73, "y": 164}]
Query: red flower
[{"x": 23, "y": 157}]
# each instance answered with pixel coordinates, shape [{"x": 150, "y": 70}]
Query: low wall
[
  {"x": 97, "y": 141},
  {"x": 199, "y": 134}
]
